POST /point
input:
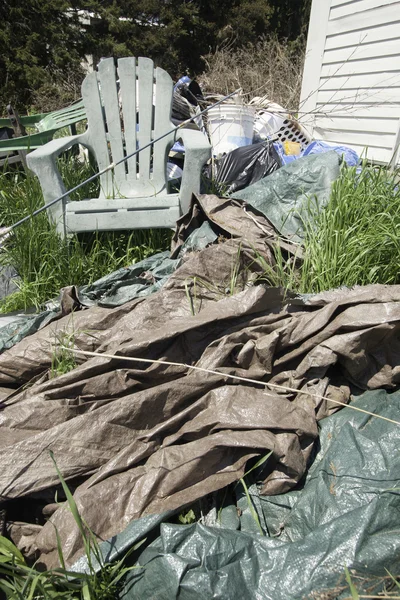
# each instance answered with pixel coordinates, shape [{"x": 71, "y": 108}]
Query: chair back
[
  {"x": 65, "y": 117},
  {"x": 127, "y": 106}
]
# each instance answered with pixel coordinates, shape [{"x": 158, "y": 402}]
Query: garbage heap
[{"x": 240, "y": 442}]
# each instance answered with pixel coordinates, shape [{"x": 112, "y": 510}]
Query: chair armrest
[
  {"x": 25, "y": 142},
  {"x": 54, "y": 148},
  {"x": 43, "y": 163},
  {"x": 193, "y": 139},
  {"x": 197, "y": 152}
]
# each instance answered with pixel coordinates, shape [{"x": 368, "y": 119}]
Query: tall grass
[
  {"x": 102, "y": 581},
  {"x": 44, "y": 261},
  {"x": 354, "y": 240}
]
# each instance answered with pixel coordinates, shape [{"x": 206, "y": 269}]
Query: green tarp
[
  {"x": 345, "y": 513},
  {"x": 284, "y": 195}
]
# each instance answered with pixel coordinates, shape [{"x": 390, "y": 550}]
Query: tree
[
  {"x": 42, "y": 42},
  {"x": 290, "y": 18}
]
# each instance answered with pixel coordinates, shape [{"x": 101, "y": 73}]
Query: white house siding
[{"x": 351, "y": 82}]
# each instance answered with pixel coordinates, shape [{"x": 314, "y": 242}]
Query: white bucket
[{"x": 230, "y": 126}]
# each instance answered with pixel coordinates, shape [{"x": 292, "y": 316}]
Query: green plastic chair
[
  {"x": 27, "y": 120},
  {"x": 122, "y": 117},
  {"x": 46, "y": 124}
]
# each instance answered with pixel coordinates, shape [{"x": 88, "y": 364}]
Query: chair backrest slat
[
  {"x": 162, "y": 124},
  {"x": 127, "y": 79},
  {"x": 97, "y": 133},
  {"x": 109, "y": 94},
  {"x": 145, "y": 89}
]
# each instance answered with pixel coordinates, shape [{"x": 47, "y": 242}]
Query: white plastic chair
[{"x": 134, "y": 194}]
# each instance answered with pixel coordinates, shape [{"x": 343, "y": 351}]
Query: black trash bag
[
  {"x": 242, "y": 167},
  {"x": 181, "y": 109},
  {"x": 192, "y": 92}
]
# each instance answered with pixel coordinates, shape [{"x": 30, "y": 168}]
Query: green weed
[
  {"x": 354, "y": 240},
  {"x": 353, "y": 590},
  {"x": 102, "y": 581},
  {"x": 63, "y": 360}
]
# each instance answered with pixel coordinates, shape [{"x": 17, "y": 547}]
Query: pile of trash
[
  {"x": 249, "y": 141},
  {"x": 248, "y": 435}
]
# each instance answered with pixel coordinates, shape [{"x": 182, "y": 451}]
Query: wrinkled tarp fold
[
  {"x": 135, "y": 440},
  {"x": 345, "y": 513}
]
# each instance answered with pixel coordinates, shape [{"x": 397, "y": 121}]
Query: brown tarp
[{"x": 134, "y": 439}]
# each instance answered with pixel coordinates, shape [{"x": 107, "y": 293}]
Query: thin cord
[{"x": 236, "y": 377}]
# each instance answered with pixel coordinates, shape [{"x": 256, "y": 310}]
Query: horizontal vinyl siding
[
  {"x": 363, "y": 51},
  {"x": 383, "y": 79},
  {"x": 345, "y": 9},
  {"x": 360, "y": 110},
  {"x": 355, "y": 99},
  {"x": 355, "y": 124},
  {"x": 357, "y": 21},
  {"x": 378, "y": 33}
]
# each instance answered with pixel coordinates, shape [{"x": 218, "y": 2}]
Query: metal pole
[{"x": 112, "y": 165}]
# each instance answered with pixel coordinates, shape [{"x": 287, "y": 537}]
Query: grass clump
[
  {"x": 63, "y": 360},
  {"x": 101, "y": 581},
  {"x": 353, "y": 240},
  {"x": 45, "y": 262}
]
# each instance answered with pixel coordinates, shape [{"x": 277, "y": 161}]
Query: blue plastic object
[
  {"x": 285, "y": 158},
  {"x": 350, "y": 156},
  {"x": 185, "y": 80}
]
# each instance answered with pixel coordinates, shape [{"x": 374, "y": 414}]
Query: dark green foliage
[
  {"x": 42, "y": 42},
  {"x": 290, "y": 18}
]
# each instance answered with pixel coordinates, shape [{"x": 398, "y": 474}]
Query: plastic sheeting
[
  {"x": 136, "y": 281},
  {"x": 143, "y": 439},
  {"x": 283, "y": 196},
  {"x": 344, "y": 513},
  {"x": 242, "y": 167},
  {"x": 142, "y": 278},
  {"x": 136, "y": 440},
  {"x": 349, "y": 155}
]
